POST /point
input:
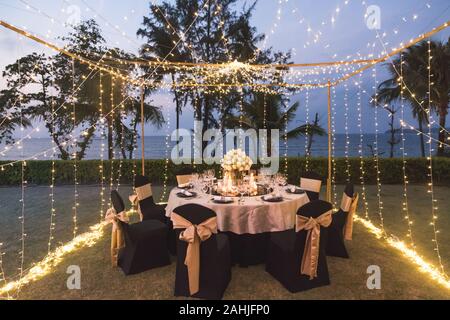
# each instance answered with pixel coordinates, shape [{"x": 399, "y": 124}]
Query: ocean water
[{"x": 155, "y": 147}]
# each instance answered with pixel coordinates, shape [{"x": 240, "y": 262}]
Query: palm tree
[
  {"x": 386, "y": 96},
  {"x": 440, "y": 70},
  {"x": 416, "y": 81},
  {"x": 271, "y": 112}
]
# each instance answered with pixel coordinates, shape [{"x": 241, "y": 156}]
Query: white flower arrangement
[{"x": 236, "y": 160}]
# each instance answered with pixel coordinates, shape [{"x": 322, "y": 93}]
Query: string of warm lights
[
  {"x": 123, "y": 116},
  {"x": 55, "y": 258},
  {"x": 74, "y": 157},
  {"x": 422, "y": 265},
  {"x": 362, "y": 169},
  {"x": 52, "y": 182},
  {"x": 333, "y": 146},
  {"x": 405, "y": 203},
  {"x": 111, "y": 150},
  {"x": 409, "y": 126},
  {"x": 23, "y": 165},
  {"x": 167, "y": 160},
  {"x": 376, "y": 148},
  {"x": 102, "y": 149},
  {"x": 347, "y": 136},
  {"x": 285, "y": 139},
  {"x": 434, "y": 205},
  {"x": 307, "y": 135}
]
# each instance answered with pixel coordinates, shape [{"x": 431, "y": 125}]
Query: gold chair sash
[
  {"x": 117, "y": 240},
  {"x": 348, "y": 229},
  {"x": 311, "y": 253},
  {"x": 310, "y": 184},
  {"x": 194, "y": 235},
  {"x": 135, "y": 205},
  {"x": 184, "y": 180},
  {"x": 346, "y": 202},
  {"x": 144, "y": 192}
]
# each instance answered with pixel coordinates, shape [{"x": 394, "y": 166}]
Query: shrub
[{"x": 391, "y": 172}]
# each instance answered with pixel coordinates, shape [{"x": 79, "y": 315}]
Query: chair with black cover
[
  {"x": 145, "y": 242},
  {"x": 335, "y": 244},
  {"x": 152, "y": 211},
  {"x": 291, "y": 254},
  {"x": 149, "y": 209},
  {"x": 311, "y": 182},
  {"x": 184, "y": 176},
  {"x": 203, "y": 256}
]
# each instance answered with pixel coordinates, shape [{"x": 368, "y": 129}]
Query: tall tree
[
  {"x": 11, "y": 115},
  {"x": 210, "y": 33},
  {"x": 415, "y": 77},
  {"x": 271, "y": 112}
]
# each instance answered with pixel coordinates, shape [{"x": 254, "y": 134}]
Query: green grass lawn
[{"x": 400, "y": 279}]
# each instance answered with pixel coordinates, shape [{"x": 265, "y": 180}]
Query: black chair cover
[
  {"x": 145, "y": 243},
  {"x": 313, "y": 176},
  {"x": 152, "y": 211},
  {"x": 286, "y": 252},
  {"x": 336, "y": 244},
  {"x": 215, "y": 265},
  {"x": 149, "y": 209},
  {"x": 248, "y": 249}
]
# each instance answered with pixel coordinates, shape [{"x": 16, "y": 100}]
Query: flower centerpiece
[{"x": 234, "y": 164}]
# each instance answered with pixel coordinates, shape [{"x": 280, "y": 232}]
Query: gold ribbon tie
[
  {"x": 194, "y": 235},
  {"x": 117, "y": 240},
  {"x": 348, "y": 229},
  {"x": 310, "y": 257}
]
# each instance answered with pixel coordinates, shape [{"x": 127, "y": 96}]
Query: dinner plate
[
  {"x": 297, "y": 191},
  {"x": 275, "y": 199},
  {"x": 182, "y": 195},
  {"x": 222, "y": 201}
]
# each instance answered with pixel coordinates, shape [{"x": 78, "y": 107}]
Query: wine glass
[
  {"x": 195, "y": 181},
  {"x": 242, "y": 188}
]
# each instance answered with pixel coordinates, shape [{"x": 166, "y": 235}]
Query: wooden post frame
[
  {"x": 329, "y": 145},
  {"x": 142, "y": 131}
]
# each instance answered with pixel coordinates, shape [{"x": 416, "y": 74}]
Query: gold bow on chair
[
  {"x": 117, "y": 240},
  {"x": 184, "y": 180},
  {"x": 348, "y": 229},
  {"x": 194, "y": 235},
  {"x": 311, "y": 253}
]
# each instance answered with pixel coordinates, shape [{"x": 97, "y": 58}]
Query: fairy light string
[
  {"x": 362, "y": 169},
  {"x": 308, "y": 134},
  {"x": 376, "y": 149},
  {"x": 102, "y": 149},
  {"x": 333, "y": 146},
  {"x": 23, "y": 165},
  {"x": 434, "y": 204},
  {"x": 405, "y": 203},
  {"x": 111, "y": 148},
  {"x": 347, "y": 136},
  {"x": 74, "y": 156},
  {"x": 52, "y": 178}
]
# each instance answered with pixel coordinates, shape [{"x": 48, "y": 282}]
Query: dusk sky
[{"x": 340, "y": 26}]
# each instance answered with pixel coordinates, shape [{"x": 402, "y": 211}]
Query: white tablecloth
[{"x": 251, "y": 217}]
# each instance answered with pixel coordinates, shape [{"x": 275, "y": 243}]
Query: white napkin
[
  {"x": 220, "y": 198},
  {"x": 187, "y": 193},
  {"x": 184, "y": 185},
  {"x": 271, "y": 196},
  {"x": 294, "y": 189}
]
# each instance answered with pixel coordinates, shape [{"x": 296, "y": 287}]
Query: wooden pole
[
  {"x": 329, "y": 144},
  {"x": 142, "y": 132}
]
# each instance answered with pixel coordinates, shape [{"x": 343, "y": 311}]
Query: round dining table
[
  {"x": 248, "y": 223},
  {"x": 253, "y": 215}
]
